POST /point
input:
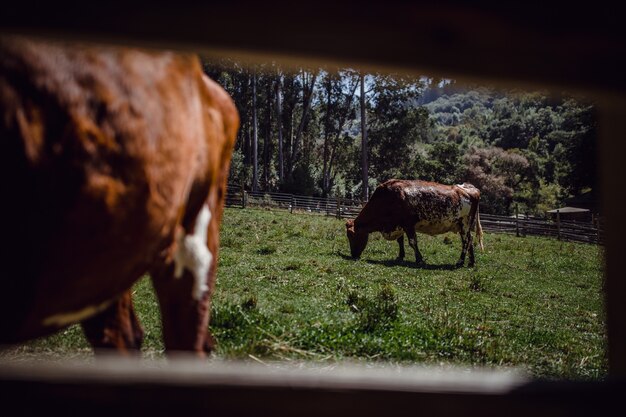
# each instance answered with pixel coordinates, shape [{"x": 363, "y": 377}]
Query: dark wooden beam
[
  {"x": 123, "y": 388},
  {"x": 612, "y": 168},
  {"x": 574, "y": 45},
  {"x": 578, "y": 46}
]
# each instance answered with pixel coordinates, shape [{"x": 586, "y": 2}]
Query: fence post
[
  {"x": 338, "y": 208},
  {"x": 293, "y": 202},
  {"x": 516, "y": 220},
  {"x": 558, "y": 225},
  {"x": 243, "y": 196},
  {"x": 596, "y": 220}
]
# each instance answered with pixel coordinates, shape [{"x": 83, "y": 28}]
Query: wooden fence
[
  {"x": 576, "y": 231},
  {"x": 331, "y": 206},
  {"x": 587, "y": 232}
]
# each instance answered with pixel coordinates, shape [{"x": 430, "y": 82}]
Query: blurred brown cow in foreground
[{"x": 113, "y": 163}]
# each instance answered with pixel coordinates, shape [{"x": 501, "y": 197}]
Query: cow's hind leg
[
  {"x": 466, "y": 245},
  {"x": 401, "y": 244},
  {"x": 470, "y": 226},
  {"x": 464, "y": 242},
  {"x": 461, "y": 260},
  {"x": 470, "y": 246},
  {"x": 410, "y": 232},
  {"x": 116, "y": 328}
]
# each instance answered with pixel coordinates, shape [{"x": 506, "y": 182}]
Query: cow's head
[{"x": 357, "y": 239}]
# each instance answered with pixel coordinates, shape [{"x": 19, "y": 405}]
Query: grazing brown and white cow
[
  {"x": 408, "y": 206},
  {"x": 113, "y": 163}
]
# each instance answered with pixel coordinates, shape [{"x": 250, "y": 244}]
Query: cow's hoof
[
  {"x": 420, "y": 263},
  {"x": 459, "y": 264},
  {"x": 471, "y": 265}
]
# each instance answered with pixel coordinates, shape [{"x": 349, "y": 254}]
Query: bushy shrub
[{"x": 376, "y": 313}]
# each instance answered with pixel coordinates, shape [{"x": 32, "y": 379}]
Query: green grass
[{"x": 287, "y": 290}]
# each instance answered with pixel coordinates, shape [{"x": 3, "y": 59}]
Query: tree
[
  {"x": 337, "y": 107},
  {"x": 364, "y": 165},
  {"x": 279, "y": 128},
  {"x": 496, "y": 173},
  {"x": 267, "y": 141},
  {"x": 307, "y": 96},
  {"x": 576, "y": 150},
  {"x": 255, "y": 138},
  {"x": 524, "y": 147},
  {"x": 444, "y": 163},
  {"x": 395, "y": 125}
]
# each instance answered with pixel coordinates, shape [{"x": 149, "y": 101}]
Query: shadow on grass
[
  {"x": 411, "y": 264},
  {"x": 408, "y": 264},
  {"x": 345, "y": 257}
]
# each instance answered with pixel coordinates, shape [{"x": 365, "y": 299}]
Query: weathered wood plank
[{"x": 191, "y": 388}]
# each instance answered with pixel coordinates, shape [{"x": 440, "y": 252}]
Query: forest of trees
[{"x": 327, "y": 132}]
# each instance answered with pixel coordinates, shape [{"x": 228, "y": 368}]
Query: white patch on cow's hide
[
  {"x": 465, "y": 207},
  {"x": 59, "y": 320},
  {"x": 466, "y": 186},
  {"x": 193, "y": 254},
  {"x": 394, "y": 235}
]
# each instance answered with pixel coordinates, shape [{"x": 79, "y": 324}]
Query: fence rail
[
  {"x": 577, "y": 231},
  {"x": 338, "y": 207},
  {"x": 592, "y": 232}
]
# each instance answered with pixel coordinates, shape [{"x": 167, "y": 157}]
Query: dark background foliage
[{"x": 530, "y": 149}]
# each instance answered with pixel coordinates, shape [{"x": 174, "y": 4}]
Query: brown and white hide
[
  {"x": 113, "y": 163},
  {"x": 409, "y": 206}
]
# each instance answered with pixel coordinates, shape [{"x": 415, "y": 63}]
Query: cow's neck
[{"x": 363, "y": 226}]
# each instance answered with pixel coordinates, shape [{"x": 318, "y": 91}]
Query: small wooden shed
[{"x": 571, "y": 213}]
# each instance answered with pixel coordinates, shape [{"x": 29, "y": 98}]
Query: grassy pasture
[{"x": 287, "y": 290}]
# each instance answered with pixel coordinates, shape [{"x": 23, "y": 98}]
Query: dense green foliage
[
  {"x": 532, "y": 148},
  {"x": 287, "y": 289},
  {"x": 529, "y": 148}
]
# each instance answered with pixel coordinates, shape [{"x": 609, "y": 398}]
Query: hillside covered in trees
[{"x": 326, "y": 132}]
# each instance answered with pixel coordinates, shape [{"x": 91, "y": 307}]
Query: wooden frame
[
  {"x": 544, "y": 45},
  {"x": 184, "y": 387}
]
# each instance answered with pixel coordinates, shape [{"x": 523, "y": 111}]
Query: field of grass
[{"x": 287, "y": 290}]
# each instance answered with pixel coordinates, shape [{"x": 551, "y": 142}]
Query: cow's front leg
[
  {"x": 116, "y": 328},
  {"x": 410, "y": 233},
  {"x": 184, "y": 287},
  {"x": 401, "y": 244},
  {"x": 185, "y": 319}
]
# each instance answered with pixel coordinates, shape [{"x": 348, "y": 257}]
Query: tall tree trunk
[
  {"x": 268, "y": 136},
  {"x": 364, "y": 167},
  {"x": 248, "y": 155},
  {"x": 279, "y": 112},
  {"x": 245, "y": 122},
  {"x": 335, "y": 143},
  {"x": 325, "y": 154},
  {"x": 289, "y": 128},
  {"x": 305, "y": 112},
  {"x": 255, "y": 138}
]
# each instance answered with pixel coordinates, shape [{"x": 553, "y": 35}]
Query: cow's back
[
  {"x": 430, "y": 207},
  {"x": 101, "y": 149}
]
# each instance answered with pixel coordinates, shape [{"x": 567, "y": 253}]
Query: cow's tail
[{"x": 479, "y": 230}]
